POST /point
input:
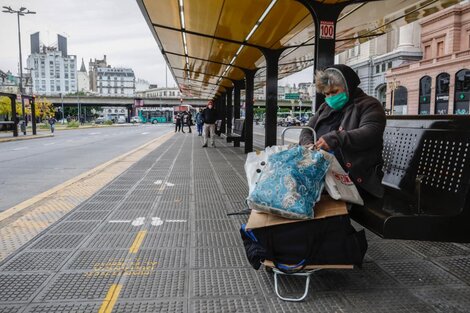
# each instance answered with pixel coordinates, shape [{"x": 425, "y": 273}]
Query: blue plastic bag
[{"x": 291, "y": 183}]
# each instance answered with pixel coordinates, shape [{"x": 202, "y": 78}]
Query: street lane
[{"x": 30, "y": 167}]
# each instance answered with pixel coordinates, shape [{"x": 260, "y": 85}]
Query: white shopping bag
[
  {"x": 256, "y": 161},
  {"x": 338, "y": 184}
]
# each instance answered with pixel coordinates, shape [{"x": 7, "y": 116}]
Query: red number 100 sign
[{"x": 327, "y": 30}]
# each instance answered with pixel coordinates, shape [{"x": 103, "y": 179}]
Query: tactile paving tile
[
  {"x": 164, "y": 258},
  {"x": 216, "y": 225},
  {"x": 239, "y": 305},
  {"x": 88, "y": 216},
  {"x": 437, "y": 249},
  {"x": 446, "y": 300},
  {"x": 389, "y": 250},
  {"x": 458, "y": 266},
  {"x": 112, "y": 192},
  {"x": 169, "y": 306},
  {"x": 318, "y": 302},
  {"x": 386, "y": 301},
  {"x": 108, "y": 199},
  {"x": 74, "y": 227},
  {"x": 128, "y": 215},
  {"x": 218, "y": 239},
  {"x": 211, "y": 214},
  {"x": 36, "y": 261},
  {"x": 369, "y": 277},
  {"x": 97, "y": 206},
  {"x": 170, "y": 214},
  {"x": 95, "y": 259},
  {"x": 119, "y": 228},
  {"x": 175, "y": 198},
  {"x": 59, "y": 241},
  {"x": 111, "y": 241},
  {"x": 136, "y": 206},
  {"x": 170, "y": 226},
  {"x": 165, "y": 240},
  {"x": 213, "y": 197},
  {"x": 419, "y": 273},
  {"x": 223, "y": 282},
  {"x": 10, "y": 308},
  {"x": 228, "y": 257},
  {"x": 77, "y": 286},
  {"x": 150, "y": 198},
  {"x": 161, "y": 284},
  {"x": 20, "y": 287},
  {"x": 64, "y": 308}
]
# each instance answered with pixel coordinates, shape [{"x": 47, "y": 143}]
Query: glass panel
[
  {"x": 442, "y": 94},
  {"x": 425, "y": 95},
  {"x": 462, "y": 92}
]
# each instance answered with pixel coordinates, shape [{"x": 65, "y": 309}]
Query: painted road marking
[
  {"x": 94, "y": 133},
  {"x": 146, "y": 133},
  {"x": 175, "y": 221},
  {"x": 138, "y": 221},
  {"x": 156, "y": 221},
  {"x": 50, "y": 144},
  {"x": 111, "y": 298},
  {"x": 137, "y": 241},
  {"x": 22, "y": 148},
  {"x": 120, "y": 221}
]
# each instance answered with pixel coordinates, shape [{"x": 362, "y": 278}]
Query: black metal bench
[
  {"x": 238, "y": 132},
  {"x": 427, "y": 180}
]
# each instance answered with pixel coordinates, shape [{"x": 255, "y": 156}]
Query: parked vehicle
[{"x": 136, "y": 119}]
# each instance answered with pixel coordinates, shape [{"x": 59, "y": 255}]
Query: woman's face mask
[{"x": 337, "y": 101}]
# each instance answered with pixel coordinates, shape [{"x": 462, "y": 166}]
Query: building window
[
  {"x": 425, "y": 95},
  {"x": 442, "y": 94},
  {"x": 400, "y": 101},
  {"x": 427, "y": 52},
  {"x": 462, "y": 92},
  {"x": 389, "y": 65},
  {"x": 440, "y": 48},
  {"x": 383, "y": 67}
]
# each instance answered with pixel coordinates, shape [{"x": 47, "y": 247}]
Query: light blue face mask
[{"x": 338, "y": 101}]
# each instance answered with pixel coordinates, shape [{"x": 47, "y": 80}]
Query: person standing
[
  {"x": 52, "y": 122},
  {"x": 199, "y": 121},
  {"x": 178, "y": 122},
  {"x": 210, "y": 116},
  {"x": 187, "y": 120}
]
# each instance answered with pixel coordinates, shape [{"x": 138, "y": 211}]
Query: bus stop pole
[
  {"x": 249, "y": 95},
  {"x": 325, "y": 17},
  {"x": 223, "y": 109},
  {"x": 272, "y": 75},
  {"x": 229, "y": 111},
  {"x": 33, "y": 113}
]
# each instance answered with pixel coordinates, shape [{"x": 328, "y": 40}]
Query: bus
[
  {"x": 156, "y": 115},
  {"x": 185, "y": 108}
]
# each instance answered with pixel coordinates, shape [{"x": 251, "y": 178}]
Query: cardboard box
[{"x": 326, "y": 207}]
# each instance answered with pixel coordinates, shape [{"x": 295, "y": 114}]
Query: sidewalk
[{"x": 157, "y": 239}]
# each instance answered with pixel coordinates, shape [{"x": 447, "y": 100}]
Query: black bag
[{"x": 324, "y": 241}]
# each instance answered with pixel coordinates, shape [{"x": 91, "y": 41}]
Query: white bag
[
  {"x": 338, "y": 184},
  {"x": 256, "y": 161}
]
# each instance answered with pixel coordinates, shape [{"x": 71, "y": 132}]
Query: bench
[
  {"x": 238, "y": 133},
  {"x": 7, "y": 125},
  {"x": 426, "y": 180}
]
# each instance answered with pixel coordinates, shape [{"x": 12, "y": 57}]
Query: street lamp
[{"x": 21, "y": 12}]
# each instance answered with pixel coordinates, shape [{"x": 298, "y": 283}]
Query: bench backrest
[
  {"x": 239, "y": 127},
  {"x": 430, "y": 154}
]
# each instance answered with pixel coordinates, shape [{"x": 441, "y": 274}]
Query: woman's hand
[{"x": 321, "y": 144}]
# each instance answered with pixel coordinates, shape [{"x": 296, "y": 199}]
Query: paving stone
[
  {"x": 448, "y": 299},
  {"x": 161, "y": 284},
  {"x": 58, "y": 241},
  {"x": 216, "y": 225},
  {"x": 170, "y": 306},
  {"x": 239, "y": 305},
  {"x": 218, "y": 239},
  {"x": 111, "y": 241},
  {"x": 95, "y": 259},
  {"x": 88, "y": 216},
  {"x": 20, "y": 287},
  {"x": 64, "y": 308},
  {"x": 165, "y": 240},
  {"x": 389, "y": 250},
  {"x": 10, "y": 308},
  {"x": 458, "y": 266},
  {"x": 36, "y": 261},
  {"x": 437, "y": 249},
  {"x": 215, "y": 257},
  {"x": 223, "y": 282},
  {"x": 80, "y": 227}
]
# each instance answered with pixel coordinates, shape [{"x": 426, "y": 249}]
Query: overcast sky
[{"x": 115, "y": 28}]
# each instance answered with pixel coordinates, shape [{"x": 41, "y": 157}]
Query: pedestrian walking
[
  {"x": 52, "y": 122},
  {"x": 187, "y": 119},
  {"x": 178, "y": 121},
  {"x": 210, "y": 116},
  {"x": 199, "y": 122}
]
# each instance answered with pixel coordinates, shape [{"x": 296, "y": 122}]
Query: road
[{"x": 30, "y": 167}]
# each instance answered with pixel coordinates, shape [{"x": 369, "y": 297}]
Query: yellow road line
[
  {"x": 137, "y": 241},
  {"x": 111, "y": 298}
]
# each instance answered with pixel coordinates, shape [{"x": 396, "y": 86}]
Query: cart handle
[{"x": 298, "y": 127}]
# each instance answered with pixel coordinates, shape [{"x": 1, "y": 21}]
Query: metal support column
[
  {"x": 325, "y": 17},
  {"x": 236, "y": 98},
  {"x": 223, "y": 115},
  {"x": 14, "y": 118},
  {"x": 249, "y": 95},
  {"x": 228, "y": 111},
  {"x": 270, "y": 123},
  {"x": 32, "y": 103}
]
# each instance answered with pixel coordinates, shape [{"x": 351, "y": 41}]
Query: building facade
[
  {"x": 171, "y": 92},
  {"x": 372, "y": 59},
  {"x": 109, "y": 81},
  {"x": 83, "y": 81},
  {"x": 53, "y": 71},
  {"x": 440, "y": 83}
]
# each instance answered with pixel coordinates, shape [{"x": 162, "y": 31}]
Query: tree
[{"x": 5, "y": 106}]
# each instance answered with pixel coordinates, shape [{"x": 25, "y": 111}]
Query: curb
[{"x": 27, "y": 137}]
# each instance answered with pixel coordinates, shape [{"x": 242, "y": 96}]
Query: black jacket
[
  {"x": 210, "y": 116},
  {"x": 359, "y": 137}
]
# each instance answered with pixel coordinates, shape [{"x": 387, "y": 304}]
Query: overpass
[{"x": 148, "y": 102}]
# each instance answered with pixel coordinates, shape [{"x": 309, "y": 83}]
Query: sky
[{"x": 115, "y": 28}]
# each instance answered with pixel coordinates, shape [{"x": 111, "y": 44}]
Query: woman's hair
[{"x": 326, "y": 80}]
